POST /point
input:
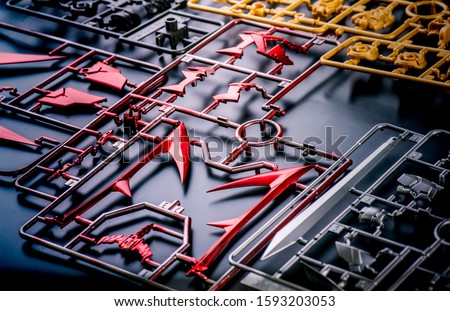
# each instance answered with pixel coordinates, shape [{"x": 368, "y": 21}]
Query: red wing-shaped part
[
  {"x": 106, "y": 75},
  {"x": 17, "y": 58},
  {"x": 9, "y": 135},
  {"x": 69, "y": 97},
  {"x": 277, "y": 181},
  {"x": 191, "y": 77},
  {"x": 238, "y": 51},
  {"x": 176, "y": 143}
]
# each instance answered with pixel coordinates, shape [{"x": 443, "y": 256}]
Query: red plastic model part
[
  {"x": 176, "y": 144},
  {"x": 238, "y": 51},
  {"x": 17, "y": 58},
  {"x": 234, "y": 91},
  {"x": 6, "y": 134},
  {"x": 277, "y": 181},
  {"x": 106, "y": 75},
  {"x": 261, "y": 40},
  {"x": 191, "y": 77},
  {"x": 69, "y": 97},
  {"x": 133, "y": 242}
]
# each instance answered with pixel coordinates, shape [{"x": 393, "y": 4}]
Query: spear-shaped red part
[
  {"x": 69, "y": 97},
  {"x": 191, "y": 77},
  {"x": 9, "y": 135},
  {"x": 17, "y": 58},
  {"x": 176, "y": 144},
  {"x": 277, "y": 181}
]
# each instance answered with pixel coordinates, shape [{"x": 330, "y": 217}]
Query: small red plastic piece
[
  {"x": 192, "y": 76},
  {"x": 277, "y": 181},
  {"x": 104, "y": 74},
  {"x": 123, "y": 186},
  {"x": 234, "y": 91},
  {"x": 9, "y": 135},
  {"x": 134, "y": 242},
  {"x": 17, "y": 58},
  {"x": 69, "y": 97}
]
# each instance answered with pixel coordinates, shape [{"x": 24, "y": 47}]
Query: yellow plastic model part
[
  {"x": 362, "y": 51},
  {"x": 258, "y": 9},
  {"x": 410, "y": 60},
  {"x": 372, "y": 18},
  {"x": 376, "y": 19},
  {"x": 323, "y": 9},
  {"x": 440, "y": 27},
  {"x": 385, "y": 34},
  {"x": 416, "y": 63}
]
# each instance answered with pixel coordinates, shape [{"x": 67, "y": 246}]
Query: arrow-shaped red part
[
  {"x": 191, "y": 77},
  {"x": 9, "y": 135},
  {"x": 176, "y": 143},
  {"x": 69, "y": 97},
  {"x": 277, "y": 181},
  {"x": 104, "y": 74},
  {"x": 17, "y": 58}
]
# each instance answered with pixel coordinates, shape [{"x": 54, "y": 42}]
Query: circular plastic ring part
[{"x": 241, "y": 132}]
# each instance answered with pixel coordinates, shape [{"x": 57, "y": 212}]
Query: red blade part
[
  {"x": 178, "y": 145},
  {"x": 17, "y": 58},
  {"x": 9, "y": 135},
  {"x": 69, "y": 97},
  {"x": 277, "y": 181}
]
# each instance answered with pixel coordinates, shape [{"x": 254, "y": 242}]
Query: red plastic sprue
[{"x": 176, "y": 144}]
